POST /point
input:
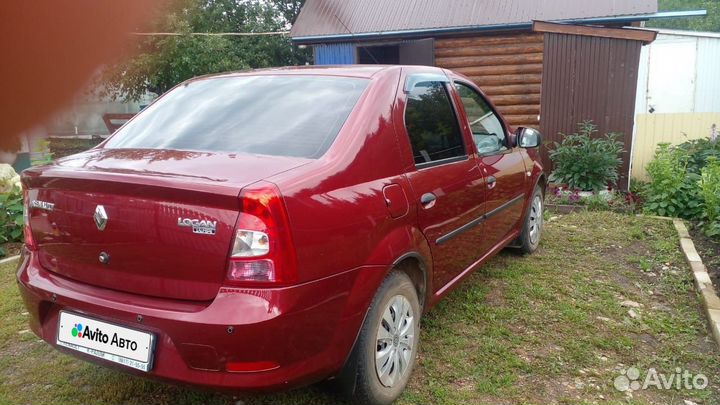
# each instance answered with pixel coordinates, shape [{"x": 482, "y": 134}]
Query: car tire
[
  {"x": 533, "y": 225},
  {"x": 383, "y": 357}
]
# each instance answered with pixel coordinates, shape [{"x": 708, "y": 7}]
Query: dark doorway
[
  {"x": 419, "y": 52},
  {"x": 380, "y": 55}
]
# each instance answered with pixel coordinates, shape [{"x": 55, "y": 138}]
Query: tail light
[
  {"x": 262, "y": 250},
  {"x": 27, "y": 232}
]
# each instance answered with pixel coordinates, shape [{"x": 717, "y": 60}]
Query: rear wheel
[
  {"x": 384, "y": 355},
  {"x": 533, "y": 226}
]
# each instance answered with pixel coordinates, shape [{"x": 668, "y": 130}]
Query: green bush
[
  {"x": 597, "y": 202},
  {"x": 586, "y": 163},
  {"x": 11, "y": 217},
  {"x": 11, "y": 206},
  {"x": 710, "y": 191},
  {"x": 699, "y": 151},
  {"x": 8, "y": 178},
  {"x": 672, "y": 190}
]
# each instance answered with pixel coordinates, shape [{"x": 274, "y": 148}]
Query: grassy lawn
[{"x": 546, "y": 328}]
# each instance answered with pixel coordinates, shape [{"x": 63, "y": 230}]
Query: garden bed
[
  {"x": 564, "y": 208},
  {"x": 61, "y": 147},
  {"x": 709, "y": 250},
  {"x": 603, "y": 292},
  {"x": 10, "y": 249},
  {"x": 559, "y": 200}
]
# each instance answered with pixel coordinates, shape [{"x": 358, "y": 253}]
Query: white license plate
[{"x": 118, "y": 344}]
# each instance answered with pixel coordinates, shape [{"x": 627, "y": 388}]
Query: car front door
[
  {"x": 447, "y": 183},
  {"x": 500, "y": 161}
]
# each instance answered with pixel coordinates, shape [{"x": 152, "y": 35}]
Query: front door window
[{"x": 487, "y": 129}]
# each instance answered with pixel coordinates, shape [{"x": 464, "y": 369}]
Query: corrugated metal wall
[
  {"x": 680, "y": 73},
  {"x": 652, "y": 129},
  {"x": 680, "y": 82},
  {"x": 335, "y": 54},
  {"x": 507, "y": 67},
  {"x": 707, "y": 87},
  {"x": 589, "y": 78}
]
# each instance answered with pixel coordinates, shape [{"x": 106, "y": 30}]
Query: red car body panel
[
  {"x": 354, "y": 213},
  {"x": 145, "y": 191},
  {"x": 305, "y": 329}
]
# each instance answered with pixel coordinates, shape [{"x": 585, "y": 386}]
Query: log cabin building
[{"x": 548, "y": 64}]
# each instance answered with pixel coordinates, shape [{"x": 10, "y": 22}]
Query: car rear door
[
  {"x": 501, "y": 162},
  {"x": 448, "y": 186}
]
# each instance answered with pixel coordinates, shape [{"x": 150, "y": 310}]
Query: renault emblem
[{"x": 100, "y": 217}]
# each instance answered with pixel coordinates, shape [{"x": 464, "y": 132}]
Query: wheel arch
[
  {"x": 416, "y": 262},
  {"x": 417, "y": 269},
  {"x": 542, "y": 182}
]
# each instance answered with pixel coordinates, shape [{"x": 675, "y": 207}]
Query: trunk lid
[{"x": 162, "y": 219}]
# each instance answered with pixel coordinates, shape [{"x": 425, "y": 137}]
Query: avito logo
[
  {"x": 77, "y": 330},
  {"x": 97, "y": 335}
]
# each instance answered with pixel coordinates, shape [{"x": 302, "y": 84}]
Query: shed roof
[{"x": 325, "y": 18}]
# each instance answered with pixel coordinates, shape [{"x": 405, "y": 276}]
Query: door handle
[
  {"x": 428, "y": 200},
  {"x": 491, "y": 182}
]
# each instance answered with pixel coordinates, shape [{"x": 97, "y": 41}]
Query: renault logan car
[{"x": 268, "y": 229}]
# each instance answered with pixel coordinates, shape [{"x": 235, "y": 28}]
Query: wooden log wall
[{"x": 507, "y": 67}]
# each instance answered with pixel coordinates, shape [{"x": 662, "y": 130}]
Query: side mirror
[{"x": 528, "y": 137}]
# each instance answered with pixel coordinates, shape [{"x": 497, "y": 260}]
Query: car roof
[{"x": 360, "y": 71}]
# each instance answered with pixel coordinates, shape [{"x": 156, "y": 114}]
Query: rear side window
[
  {"x": 271, "y": 115},
  {"x": 432, "y": 125}
]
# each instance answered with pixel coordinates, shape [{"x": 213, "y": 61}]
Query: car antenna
[{"x": 352, "y": 34}]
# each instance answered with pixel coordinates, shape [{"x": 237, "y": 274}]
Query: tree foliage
[
  {"x": 159, "y": 62},
  {"x": 711, "y": 22}
]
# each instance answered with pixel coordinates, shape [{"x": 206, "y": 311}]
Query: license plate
[{"x": 130, "y": 347}]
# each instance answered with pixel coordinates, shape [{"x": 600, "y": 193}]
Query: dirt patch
[
  {"x": 709, "y": 250},
  {"x": 10, "y": 249}
]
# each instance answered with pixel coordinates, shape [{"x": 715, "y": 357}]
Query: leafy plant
[
  {"x": 597, "y": 202},
  {"x": 585, "y": 162},
  {"x": 699, "y": 151},
  {"x": 11, "y": 216},
  {"x": 672, "y": 190},
  {"x": 710, "y": 191},
  {"x": 8, "y": 178},
  {"x": 11, "y": 206}
]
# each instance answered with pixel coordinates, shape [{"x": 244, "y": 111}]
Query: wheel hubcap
[
  {"x": 395, "y": 341},
  {"x": 536, "y": 220}
]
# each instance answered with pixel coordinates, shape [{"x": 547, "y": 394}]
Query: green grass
[{"x": 524, "y": 329}]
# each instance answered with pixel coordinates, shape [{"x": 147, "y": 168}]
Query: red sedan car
[{"x": 274, "y": 228}]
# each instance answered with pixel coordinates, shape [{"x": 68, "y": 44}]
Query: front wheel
[
  {"x": 533, "y": 225},
  {"x": 384, "y": 355}
]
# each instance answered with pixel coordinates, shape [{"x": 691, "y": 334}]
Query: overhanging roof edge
[{"x": 315, "y": 39}]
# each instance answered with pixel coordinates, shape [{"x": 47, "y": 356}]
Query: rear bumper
[{"x": 307, "y": 330}]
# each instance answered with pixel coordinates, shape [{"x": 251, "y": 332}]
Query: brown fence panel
[{"x": 589, "y": 78}]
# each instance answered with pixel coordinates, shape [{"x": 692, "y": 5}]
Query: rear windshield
[{"x": 271, "y": 115}]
